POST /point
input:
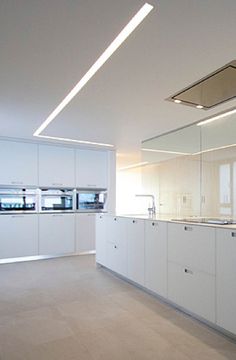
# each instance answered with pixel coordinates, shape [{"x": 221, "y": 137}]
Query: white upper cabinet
[
  {"x": 91, "y": 169},
  {"x": 56, "y": 166},
  {"x": 18, "y": 163},
  {"x": 226, "y": 279}
]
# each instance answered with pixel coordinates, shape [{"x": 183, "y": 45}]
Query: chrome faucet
[{"x": 151, "y": 210}]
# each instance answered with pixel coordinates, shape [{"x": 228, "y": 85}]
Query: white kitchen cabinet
[
  {"x": 56, "y": 166},
  {"x": 135, "y": 242},
  {"x": 193, "y": 290},
  {"x": 19, "y": 164},
  {"x": 85, "y": 232},
  {"x": 56, "y": 234},
  {"x": 117, "y": 244},
  {"x": 101, "y": 239},
  {"x": 226, "y": 279},
  {"x": 91, "y": 169},
  {"x": 156, "y": 257},
  {"x": 192, "y": 245},
  {"x": 18, "y": 235},
  {"x": 191, "y": 268}
]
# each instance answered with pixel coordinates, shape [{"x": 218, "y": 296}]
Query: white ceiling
[{"x": 48, "y": 45}]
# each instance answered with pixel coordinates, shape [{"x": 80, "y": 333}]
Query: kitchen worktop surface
[{"x": 174, "y": 219}]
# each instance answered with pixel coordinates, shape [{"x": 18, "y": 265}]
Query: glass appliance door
[
  {"x": 22, "y": 200},
  {"x": 57, "y": 200},
  {"x": 91, "y": 201}
]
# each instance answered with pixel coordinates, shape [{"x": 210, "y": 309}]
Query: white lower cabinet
[
  {"x": 85, "y": 232},
  {"x": 191, "y": 268},
  {"x": 193, "y": 290},
  {"x": 226, "y": 279},
  {"x": 18, "y": 235},
  {"x": 156, "y": 257},
  {"x": 56, "y": 234},
  {"x": 135, "y": 242},
  {"x": 116, "y": 245},
  {"x": 101, "y": 239}
]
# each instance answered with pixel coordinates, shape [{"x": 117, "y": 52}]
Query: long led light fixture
[
  {"x": 134, "y": 166},
  {"x": 166, "y": 151},
  {"x": 217, "y": 117},
  {"x": 74, "y": 140},
  {"x": 123, "y": 35}
]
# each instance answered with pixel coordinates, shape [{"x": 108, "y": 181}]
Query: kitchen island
[{"x": 192, "y": 266}]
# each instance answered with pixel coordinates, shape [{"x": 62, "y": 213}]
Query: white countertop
[{"x": 169, "y": 218}]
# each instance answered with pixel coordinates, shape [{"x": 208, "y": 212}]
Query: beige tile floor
[{"x": 67, "y": 309}]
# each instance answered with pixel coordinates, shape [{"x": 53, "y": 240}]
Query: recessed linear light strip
[
  {"x": 166, "y": 151},
  {"x": 74, "y": 140},
  {"x": 134, "y": 166},
  {"x": 217, "y": 117},
  {"x": 123, "y": 35},
  {"x": 214, "y": 149}
]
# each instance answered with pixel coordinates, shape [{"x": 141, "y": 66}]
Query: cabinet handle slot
[
  {"x": 115, "y": 219},
  {"x": 188, "y": 228},
  {"x": 134, "y": 221},
  {"x": 115, "y": 246},
  {"x": 187, "y": 271},
  {"x": 233, "y": 234}
]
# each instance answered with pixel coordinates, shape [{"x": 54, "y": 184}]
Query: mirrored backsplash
[{"x": 192, "y": 171}]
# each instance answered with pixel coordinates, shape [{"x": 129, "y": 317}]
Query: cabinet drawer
[
  {"x": 192, "y": 246},
  {"x": 135, "y": 242},
  {"x": 226, "y": 279},
  {"x": 192, "y": 290},
  {"x": 156, "y": 257}
]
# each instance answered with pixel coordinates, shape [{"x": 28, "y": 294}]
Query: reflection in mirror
[
  {"x": 218, "y": 168},
  {"x": 176, "y": 170},
  {"x": 192, "y": 171}
]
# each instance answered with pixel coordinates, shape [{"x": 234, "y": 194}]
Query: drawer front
[
  {"x": 226, "y": 279},
  {"x": 192, "y": 246},
  {"x": 156, "y": 257},
  {"x": 192, "y": 290}
]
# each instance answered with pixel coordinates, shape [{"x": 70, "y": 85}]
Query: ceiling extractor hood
[{"x": 212, "y": 90}]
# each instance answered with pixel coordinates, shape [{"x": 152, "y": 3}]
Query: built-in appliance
[
  {"x": 18, "y": 200},
  {"x": 91, "y": 200},
  {"x": 57, "y": 200}
]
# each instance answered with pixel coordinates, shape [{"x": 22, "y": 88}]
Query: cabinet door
[
  {"x": 85, "y": 232},
  {"x": 156, "y": 257},
  {"x": 135, "y": 240},
  {"x": 56, "y": 166},
  {"x": 18, "y": 235},
  {"x": 101, "y": 236},
  {"x": 192, "y": 246},
  {"x": 192, "y": 290},
  {"x": 91, "y": 169},
  {"x": 56, "y": 234},
  {"x": 117, "y": 245},
  {"x": 226, "y": 279},
  {"x": 19, "y": 163}
]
